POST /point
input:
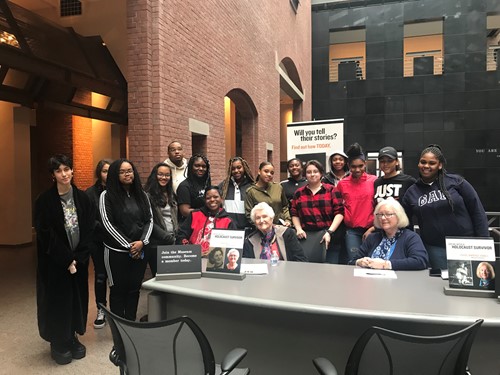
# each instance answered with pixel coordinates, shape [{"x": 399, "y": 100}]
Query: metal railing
[{"x": 494, "y": 225}]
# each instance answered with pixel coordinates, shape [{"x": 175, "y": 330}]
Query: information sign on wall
[{"x": 315, "y": 140}]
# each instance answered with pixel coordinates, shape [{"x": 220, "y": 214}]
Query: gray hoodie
[{"x": 178, "y": 173}]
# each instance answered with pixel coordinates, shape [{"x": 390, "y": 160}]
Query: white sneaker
[{"x": 100, "y": 320}]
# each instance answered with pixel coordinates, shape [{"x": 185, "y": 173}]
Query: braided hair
[
  {"x": 246, "y": 168},
  {"x": 192, "y": 179},
  {"x": 436, "y": 151}
]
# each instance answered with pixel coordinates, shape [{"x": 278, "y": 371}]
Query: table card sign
[
  {"x": 225, "y": 254},
  {"x": 178, "y": 262},
  {"x": 471, "y": 266}
]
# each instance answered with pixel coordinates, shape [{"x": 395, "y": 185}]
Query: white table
[{"x": 303, "y": 310}]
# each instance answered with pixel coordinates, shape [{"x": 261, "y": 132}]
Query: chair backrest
[
  {"x": 383, "y": 352},
  {"x": 313, "y": 249},
  {"x": 173, "y": 347}
]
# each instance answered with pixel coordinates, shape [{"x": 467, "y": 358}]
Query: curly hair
[{"x": 246, "y": 168}]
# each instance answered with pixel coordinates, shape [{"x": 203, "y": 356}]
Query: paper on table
[
  {"x": 379, "y": 274},
  {"x": 254, "y": 269},
  {"x": 444, "y": 274}
]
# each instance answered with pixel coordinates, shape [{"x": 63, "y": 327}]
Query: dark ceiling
[{"x": 44, "y": 65}]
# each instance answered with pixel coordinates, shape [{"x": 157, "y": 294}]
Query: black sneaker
[
  {"x": 61, "y": 354},
  {"x": 78, "y": 350},
  {"x": 100, "y": 320}
]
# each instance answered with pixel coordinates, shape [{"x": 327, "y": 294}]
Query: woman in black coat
[{"x": 64, "y": 221}]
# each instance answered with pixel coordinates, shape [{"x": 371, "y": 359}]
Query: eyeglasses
[
  {"x": 128, "y": 171},
  {"x": 161, "y": 175},
  {"x": 387, "y": 215}
]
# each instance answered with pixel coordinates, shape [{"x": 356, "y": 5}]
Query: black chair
[
  {"x": 175, "y": 347},
  {"x": 313, "y": 249},
  {"x": 380, "y": 351}
]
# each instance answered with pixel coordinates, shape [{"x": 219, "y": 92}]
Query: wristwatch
[{"x": 330, "y": 232}]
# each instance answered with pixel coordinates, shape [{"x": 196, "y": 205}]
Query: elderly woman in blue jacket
[{"x": 392, "y": 246}]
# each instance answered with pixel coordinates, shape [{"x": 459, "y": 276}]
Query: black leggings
[
  {"x": 100, "y": 276},
  {"x": 125, "y": 277},
  {"x": 151, "y": 258}
]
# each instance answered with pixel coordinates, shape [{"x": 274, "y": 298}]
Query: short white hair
[
  {"x": 233, "y": 251},
  {"x": 390, "y": 202},
  {"x": 262, "y": 206}
]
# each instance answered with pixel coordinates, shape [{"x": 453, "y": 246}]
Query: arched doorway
[{"x": 240, "y": 119}]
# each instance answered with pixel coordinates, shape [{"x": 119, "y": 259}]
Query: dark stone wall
[{"x": 459, "y": 110}]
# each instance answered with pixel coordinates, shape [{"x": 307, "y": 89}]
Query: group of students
[
  {"x": 442, "y": 203},
  {"x": 120, "y": 223}
]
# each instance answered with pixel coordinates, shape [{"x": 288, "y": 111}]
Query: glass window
[
  {"x": 493, "y": 42},
  {"x": 423, "y": 48},
  {"x": 347, "y": 55}
]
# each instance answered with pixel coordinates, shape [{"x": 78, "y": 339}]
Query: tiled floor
[{"x": 22, "y": 351}]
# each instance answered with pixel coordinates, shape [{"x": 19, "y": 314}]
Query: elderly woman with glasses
[{"x": 393, "y": 246}]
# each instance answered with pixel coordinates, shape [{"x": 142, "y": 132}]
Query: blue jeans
[
  {"x": 333, "y": 253},
  {"x": 437, "y": 256},
  {"x": 353, "y": 240}
]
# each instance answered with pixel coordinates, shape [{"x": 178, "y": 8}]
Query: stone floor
[{"x": 22, "y": 351}]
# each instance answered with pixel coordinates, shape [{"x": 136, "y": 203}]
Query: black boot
[
  {"x": 60, "y": 353},
  {"x": 78, "y": 350}
]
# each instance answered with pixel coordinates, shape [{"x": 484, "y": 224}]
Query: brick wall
[
  {"x": 83, "y": 163},
  {"x": 185, "y": 56},
  {"x": 61, "y": 133},
  {"x": 53, "y": 134}
]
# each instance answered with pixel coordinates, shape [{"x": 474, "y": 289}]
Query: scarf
[
  {"x": 266, "y": 242},
  {"x": 383, "y": 250}
]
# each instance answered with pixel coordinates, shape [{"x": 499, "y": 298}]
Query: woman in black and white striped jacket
[{"x": 126, "y": 216}]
